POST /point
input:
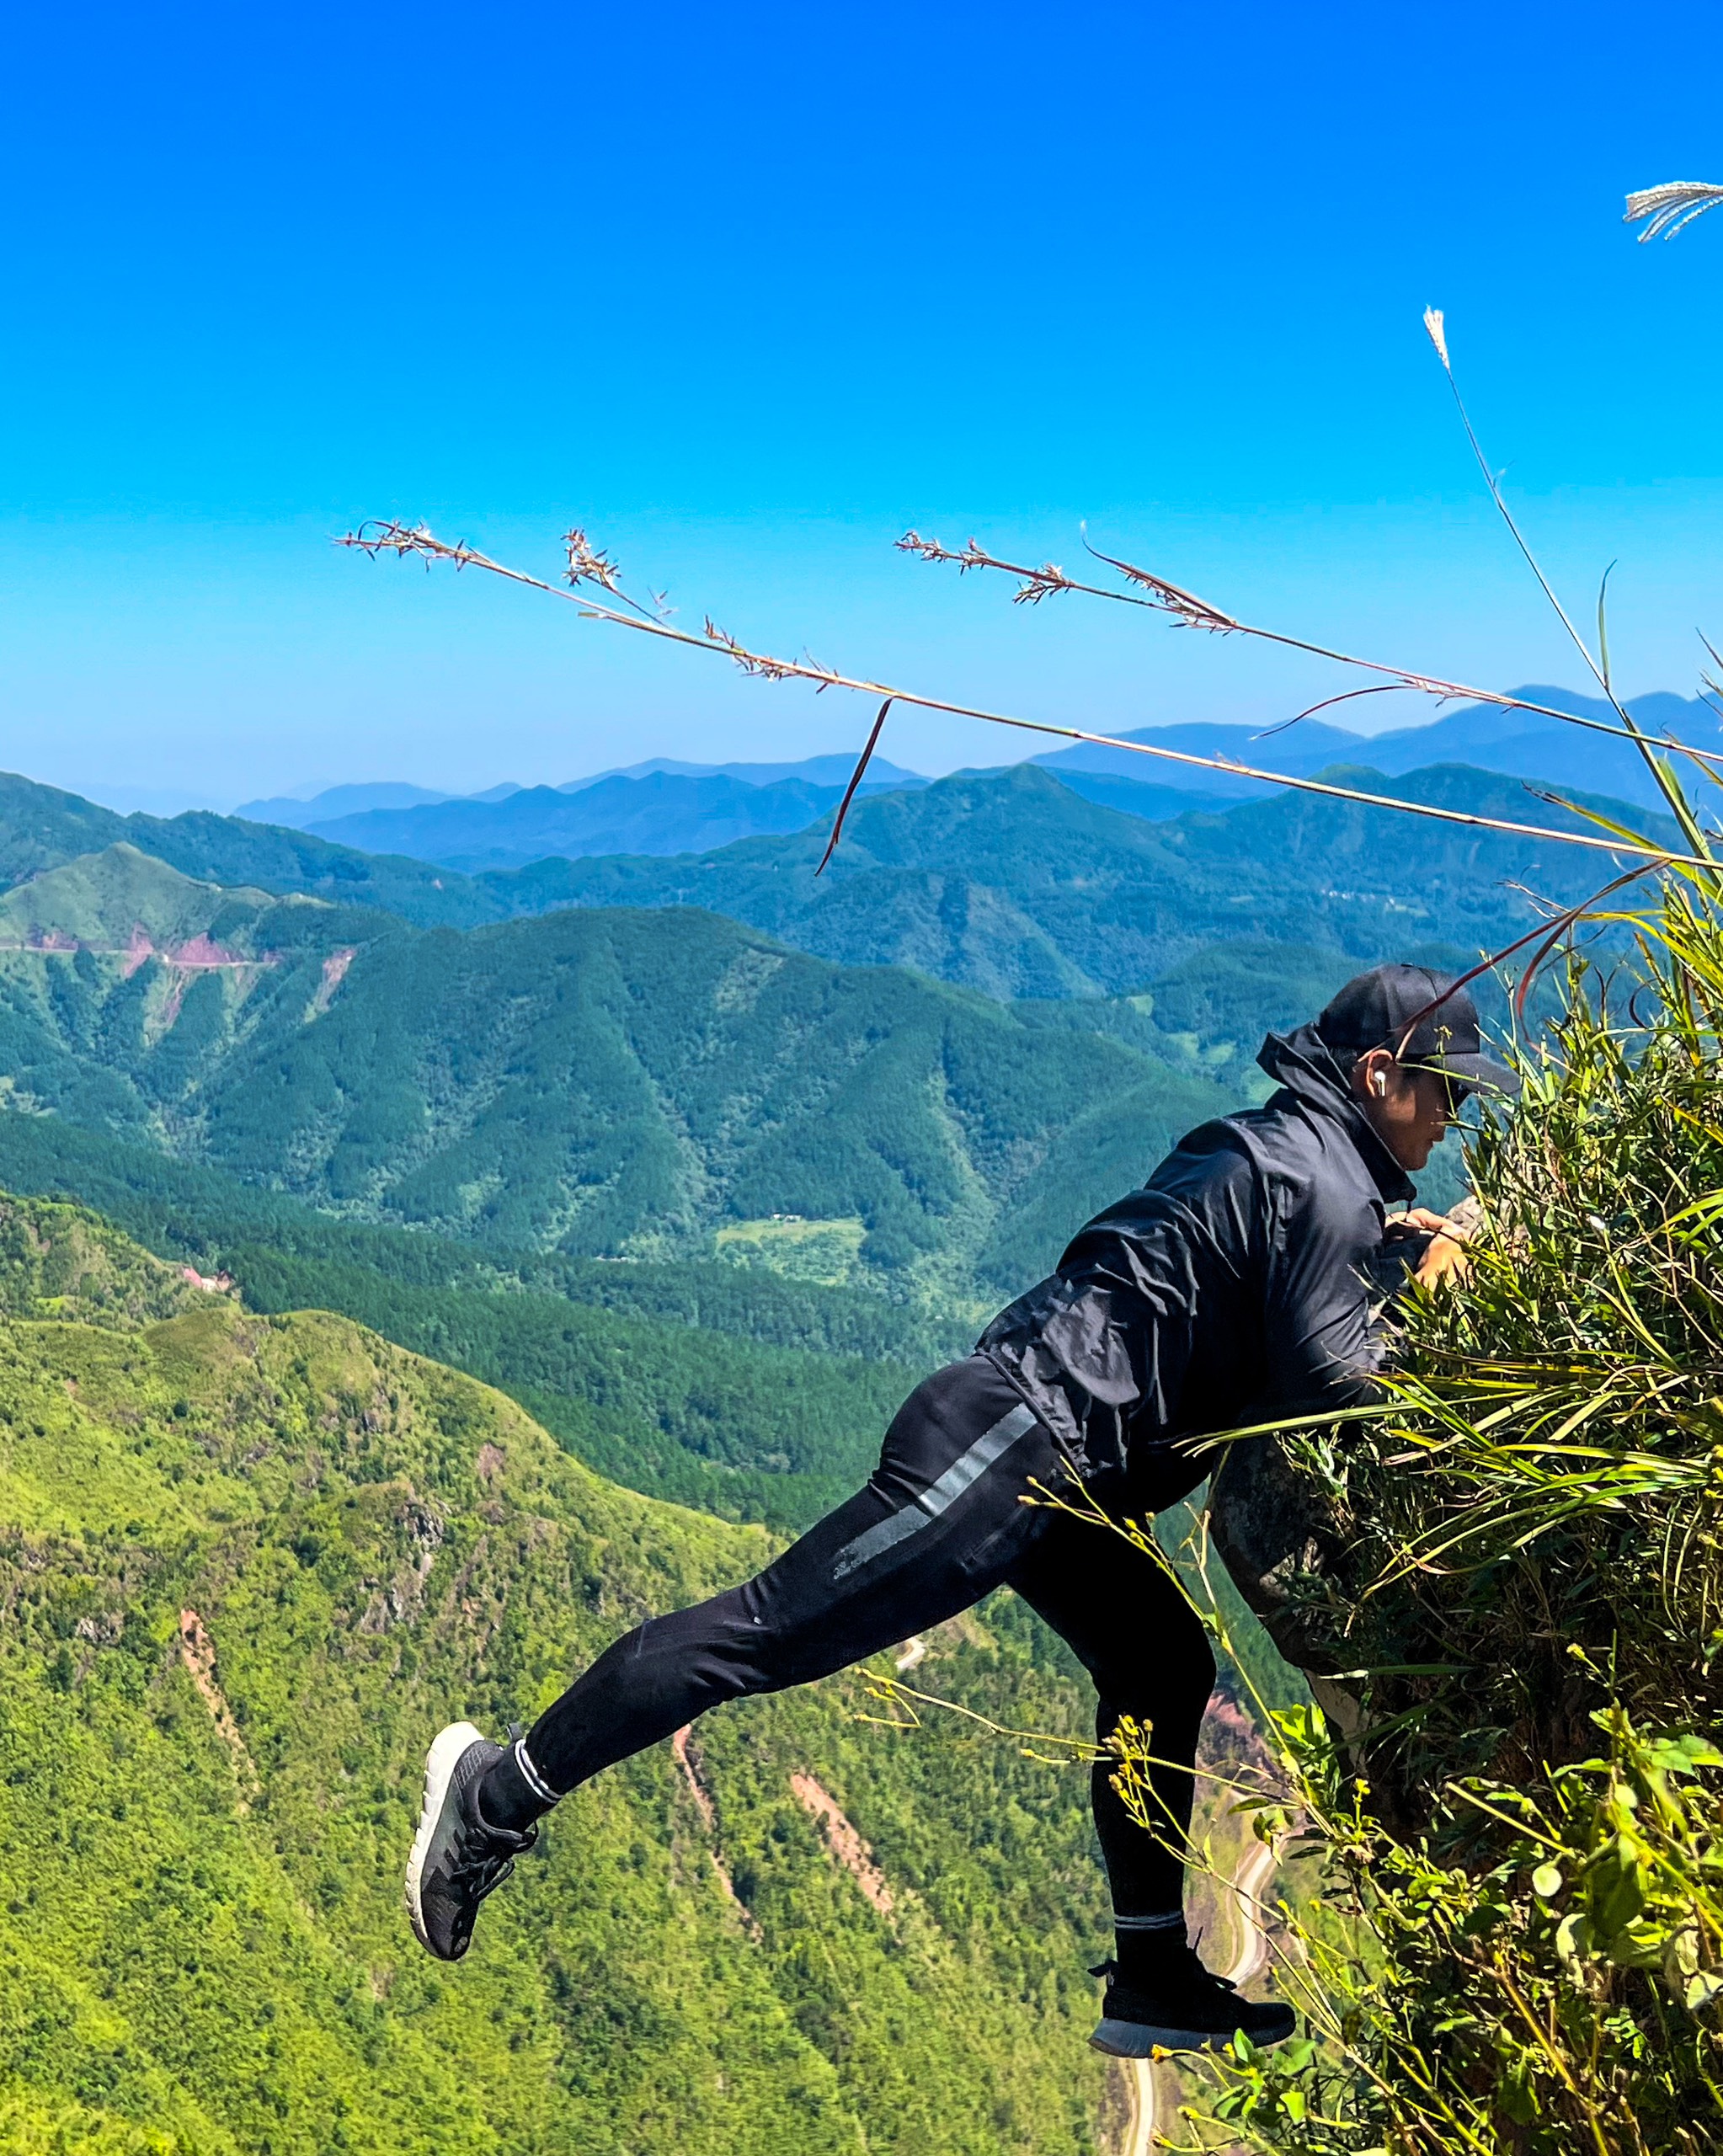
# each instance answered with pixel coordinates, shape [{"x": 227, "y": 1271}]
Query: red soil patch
[
  {"x": 690, "y": 1765},
  {"x": 334, "y": 973},
  {"x": 197, "y": 952},
  {"x": 197, "y": 1650},
  {"x": 212, "y": 1283},
  {"x": 846, "y": 1844}
]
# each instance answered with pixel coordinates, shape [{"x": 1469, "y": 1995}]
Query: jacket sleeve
[{"x": 1327, "y": 1330}]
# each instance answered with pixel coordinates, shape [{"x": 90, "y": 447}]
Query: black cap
[{"x": 1420, "y": 1018}]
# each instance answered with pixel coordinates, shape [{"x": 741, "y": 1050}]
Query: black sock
[
  {"x": 1145, "y": 1947},
  {"x": 507, "y": 1799}
]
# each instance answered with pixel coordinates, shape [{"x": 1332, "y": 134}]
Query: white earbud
[{"x": 1379, "y": 1084}]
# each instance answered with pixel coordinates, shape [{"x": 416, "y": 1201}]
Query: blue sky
[{"x": 747, "y": 290}]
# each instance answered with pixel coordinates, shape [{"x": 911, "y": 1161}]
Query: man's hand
[{"x": 1447, "y": 1257}]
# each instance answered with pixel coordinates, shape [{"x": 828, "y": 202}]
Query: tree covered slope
[
  {"x": 1010, "y": 883},
  {"x": 1006, "y": 881},
  {"x": 42, "y": 827},
  {"x": 249, "y": 1564},
  {"x": 751, "y": 1396},
  {"x": 609, "y": 1083}
]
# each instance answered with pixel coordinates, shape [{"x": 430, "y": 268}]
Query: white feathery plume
[{"x": 1672, "y": 207}]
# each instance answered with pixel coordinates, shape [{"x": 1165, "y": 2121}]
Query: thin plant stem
[
  {"x": 1169, "y": 599},
  {"x": 404, "y": 540}
]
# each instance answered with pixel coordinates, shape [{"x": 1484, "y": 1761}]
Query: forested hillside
[
  {"x": 247, "y": 1563},
  {"x": 705, "y": 1206},
  {"x": 1010, "y": 883},
  {"x": 606, "y": 1083},
  {"x": 750, "y": 1395},
  {"x": 41, "y": 827},
  {"x": 1007, "y": 881}
]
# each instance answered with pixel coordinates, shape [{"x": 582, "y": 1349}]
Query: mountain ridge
[
  {"x": 1008, "y": 882},
  {"x": 1515, "y": 743},
  {"x": 606, "y": 1081},
  {"x": 659, "y": 813}
]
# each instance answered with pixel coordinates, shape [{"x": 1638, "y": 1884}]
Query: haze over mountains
[
  {"x": 661, "y": 812},
  {"x": 1521, "y": 744},
  {"x": 665, "y": 807},
  {"x": 378, "y": 818}
]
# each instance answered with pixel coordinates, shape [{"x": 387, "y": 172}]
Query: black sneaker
[
  {"x": 1183, "y": 2009},
  {"x": 458, "y": 1858}
]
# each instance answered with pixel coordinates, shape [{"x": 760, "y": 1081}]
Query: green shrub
[{"x": 1512, "y": 1939}]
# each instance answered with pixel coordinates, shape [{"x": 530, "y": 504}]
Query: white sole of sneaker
[
  {"x": 440, "y": 1762},
  {"x": 1142, "y": 2039}
]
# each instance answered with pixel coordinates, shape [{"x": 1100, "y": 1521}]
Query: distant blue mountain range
[
  {"x": 394, "y": 817},
  {"x": 656, "y": 807},
  {"x": 817, "y": 771},
  {"x": 663, "y": 807},
  {"x": 294, "y": 814},
  {"x": 1519, "y": 743}
]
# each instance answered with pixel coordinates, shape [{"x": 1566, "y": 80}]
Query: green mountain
[
  {"x": 249, "y": 1564},
  {"x": 607, "y": 1083},
  {"x": 120, "y": 979},
  {"x": 1010, "y": 883},
  {"x": 41, "y": 827},
  {"x": 59, "y": 1261},
  {"x": 81, "y": 904},
  {"x": 751, "y": 1396}
]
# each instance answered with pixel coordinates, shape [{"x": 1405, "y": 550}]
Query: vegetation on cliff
[
  {"x": 247, "y": 1564},
  {"x": 1516, "y": 1821}
]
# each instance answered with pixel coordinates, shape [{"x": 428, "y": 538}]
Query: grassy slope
[
  {"x": 203, "y": 1943},
  {"x": 41, "y": 827},
  {"x": 89, "y": 899}
]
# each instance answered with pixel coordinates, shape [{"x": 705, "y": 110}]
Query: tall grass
[{"x": 1509, "y": 1936}]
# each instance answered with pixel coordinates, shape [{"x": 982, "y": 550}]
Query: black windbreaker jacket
[{"x": 1245, "y": 1279}]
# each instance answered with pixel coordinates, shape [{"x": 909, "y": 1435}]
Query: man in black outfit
[{"x": 1243, "y": 1282}]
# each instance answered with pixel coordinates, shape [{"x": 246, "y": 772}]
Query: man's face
[{"x": 1409, "y": 1110}]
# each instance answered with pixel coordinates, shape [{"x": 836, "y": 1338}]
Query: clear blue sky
[{"x": 747, "y": 290}]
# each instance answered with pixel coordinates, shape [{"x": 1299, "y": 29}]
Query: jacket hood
[{"x": 1303, "y": 1063}]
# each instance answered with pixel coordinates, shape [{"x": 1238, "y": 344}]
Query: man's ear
[{"x": 1370, "y": 1074}]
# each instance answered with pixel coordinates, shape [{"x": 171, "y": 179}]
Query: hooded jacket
[{"x": 1246, "y": 1280}]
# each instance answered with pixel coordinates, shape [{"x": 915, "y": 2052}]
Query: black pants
[{"x": 938, "y": 1525}]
